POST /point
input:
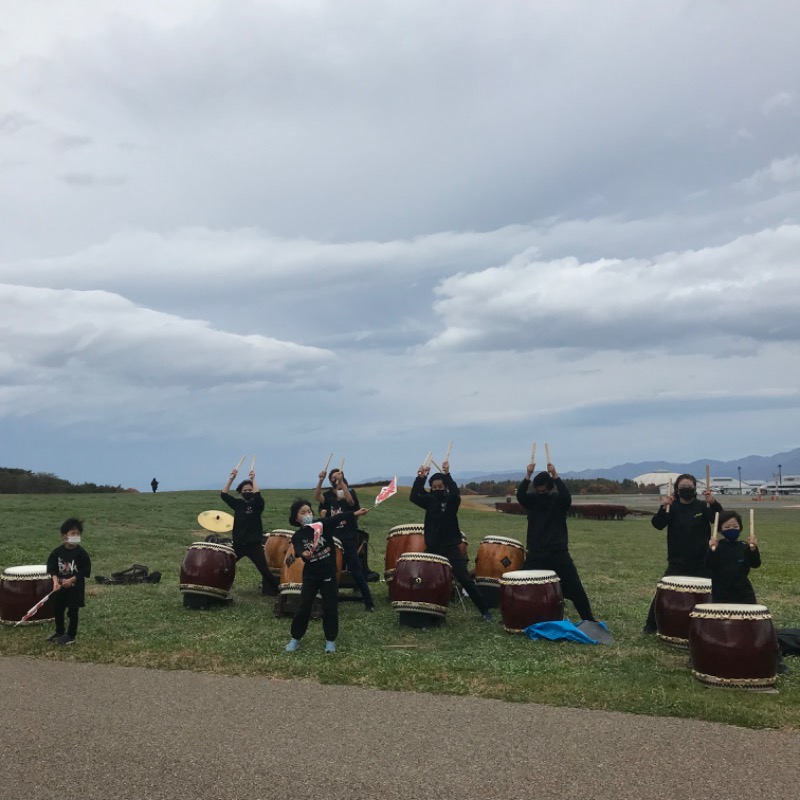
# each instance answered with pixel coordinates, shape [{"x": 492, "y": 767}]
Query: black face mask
[
  {"x": 247, "y": 495},
  {"x": 687, "y": 493}
]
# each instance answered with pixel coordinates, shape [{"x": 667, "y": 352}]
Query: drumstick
[
  {"x": 341, "y": 465},
  {"x": 427, "y": 461},
  {"x": 708, "y": 476},
  {"x": 236, "y": 468},
  {"x": 752, "y": 522},
  {"x": 327, "y": 463},
  {"x": 547, "y": 452},
  {"x": 253, "y": 465},
  {"x": 438, "y": 468},
  {"x": 449, "y": 450},
  {"x": 533, "y": 453},
  {"x": 715, "y": 527}
]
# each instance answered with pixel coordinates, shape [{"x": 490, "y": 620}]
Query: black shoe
[
  {"x": 66, "y": 639},
  {"x": 54, "y": 637},
  {"x": 649, "y": 630},
  {"x": 487, "y": 617},
  {"x": 369, "y": 609}
]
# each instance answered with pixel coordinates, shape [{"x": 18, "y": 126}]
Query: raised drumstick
[
  {"x": 236, "y": 468},
  {"x": 427, "y": 461},
  {"x": 341, "y": 465},
  {"x": 449, "y": 450},
  {"x": 438, "y": 468},
  {"x": 547, "y": 452},
  {"x": 533, "y": 453},
  {"x": 253, "y": 465},
  {"x": 715, "y": 527},
  {"x": 327, "y": 463}
]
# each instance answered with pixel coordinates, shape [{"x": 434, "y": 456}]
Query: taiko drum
[
  {"x": 21, "y": 588},
  {"x": 530, "y": 596},
  {"x": 676, "y": 596},
  {"x": 733, "y": 645},
  {"x": 275, "y": 548},
  {"x": 208, "y": 569},
  {"x": 423, "y": 583}
]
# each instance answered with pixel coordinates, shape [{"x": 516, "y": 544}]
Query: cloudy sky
[{"x": 286, "y": 228}]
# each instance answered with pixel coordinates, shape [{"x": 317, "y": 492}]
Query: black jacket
[
  {"x": 442, "y": 531},
  {"x": 730, "y": 564},
  {"x": 547, "y": 518},
  {"x": 688, "y": 531}
]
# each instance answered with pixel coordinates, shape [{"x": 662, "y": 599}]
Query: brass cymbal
[{"x": 216, "y": 521}]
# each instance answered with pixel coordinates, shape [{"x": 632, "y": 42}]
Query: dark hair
[
  {"x": 437, "y": 476},
  {"x": 544, "y": 479},
  {"x": 71, "y": 524},
  {"x": 685, "y": 477},
  {"x": 724, "y": 516},
  {"x": 334, "y": 471},
  {"x": 295, "y": 507},
  {"x": 244, "y": 483}
]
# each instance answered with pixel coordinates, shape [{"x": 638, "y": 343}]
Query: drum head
[
  {"x": 431, "y": 557},
  {"x": 746, "y": 609},
  {"x": 529, "y": 575},
  {"x": 283, "y": 534},
  {"x": 400, "y": 530},
  {"x": 27, "y": 571},
  {"x": 502, "y": 540},
  {"x": 686, "y": 582}
]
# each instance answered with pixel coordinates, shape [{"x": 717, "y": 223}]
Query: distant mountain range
[{"x": 754, "y": 468}]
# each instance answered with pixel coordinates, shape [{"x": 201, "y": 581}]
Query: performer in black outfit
[
  {"x": 248, "y": 530},
  {"x": 730, "y": 562},
  {"x": 442, "y": 531},
  {"x": 688, "y": 522},
  {"x": 317, "y": 550},
  {"x": 69, "y": 565},
  {"x": 337, "y": 500},
  {"x": 547, "y": 540}
]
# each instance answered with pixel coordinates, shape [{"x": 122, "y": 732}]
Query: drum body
[
  {"x": 733, "y": 645},
  {"x": 496, "y": 555},
  {"x": 276, "y": 547},
  {"x": 423, "y": 583},
  {"x": 676, "y": 596},
  {"x": 208, "y": 569},
  {"x": 530, "y": 596},
  {"x": 292, "y": 574},
  {"x": 401, "y": 539},
  {"x": 21, "y": 588}
]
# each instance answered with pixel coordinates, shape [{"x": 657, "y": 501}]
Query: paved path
[{"x": 112, "y": 733}]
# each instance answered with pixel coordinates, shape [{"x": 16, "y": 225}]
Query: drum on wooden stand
[
  {"x": 733, "y": 645},
  {"x": 21, "y": 588},
  {"x": 276, "y": 546},
  {"x": 401, "y": 539},
  {"x": 207, "y": 574},
  {"x": 291, "y": 582},
  {"x": 423, "y": 583},
  {"x": 529, "y": 596},
  {"x": 676, "y": 596},
  {"x": 496, "y": 555}
]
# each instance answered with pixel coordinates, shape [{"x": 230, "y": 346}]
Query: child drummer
[
  {"x": 70, "y": 566},
  {"x": 313, "y": 543},
  {"x": 730, "y": 561}
]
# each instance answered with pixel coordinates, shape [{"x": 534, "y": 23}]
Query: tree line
[
  {"x": 575, "y": 486},
  {"x": 23, "y": 481}
]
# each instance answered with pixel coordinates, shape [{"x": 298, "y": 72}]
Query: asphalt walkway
[{"x": 113, "y": 733}]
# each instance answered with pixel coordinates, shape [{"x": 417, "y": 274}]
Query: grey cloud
[
  {"x": 71, "y": 142},
  {"x": 88, "y": 180}
]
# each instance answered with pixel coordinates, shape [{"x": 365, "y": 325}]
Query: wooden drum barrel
[
  {"x": 208, "y": 569},
  {"x": 423, "y": 583},
  {"x": 21, "y": 588},
  {"x": 496, "y": 555},
  {"x": 401, "y": 539},
  {"x": 275, "y": 548},
  {"x": 676, "y": 596},
  {"x": 733, "y": 645},
  {"x": 529, "y": 596}
]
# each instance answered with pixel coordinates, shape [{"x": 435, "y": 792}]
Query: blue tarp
[{"x": 562, "y": 630}]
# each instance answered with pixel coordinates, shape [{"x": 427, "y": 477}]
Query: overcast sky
[{"x": 286, "y": 228}]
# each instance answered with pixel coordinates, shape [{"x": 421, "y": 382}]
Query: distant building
[{"x": 663, "y": 479}]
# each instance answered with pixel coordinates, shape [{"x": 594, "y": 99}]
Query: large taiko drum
[
  {"x": 423, "y": 583},
  {"x": 401, "y": 539},
  {"x": 733, "y": 645},
  {"x": 276, "y": 546},
  {"x": 676, "y": 596},
  {"x": 292, "y": 574},
  {"x": 208, "y": 570},
  {"x": 496, "y": 555},
  {"x": 21, "y": 588},
  {"x": 528, "y": 596}
]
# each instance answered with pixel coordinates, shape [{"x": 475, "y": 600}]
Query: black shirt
[{"x": 247, "y": 526}]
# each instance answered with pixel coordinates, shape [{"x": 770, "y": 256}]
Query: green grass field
[{"x": 619, "y": 561}]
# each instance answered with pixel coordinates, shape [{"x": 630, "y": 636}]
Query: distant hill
[{"x": 754, "y": 468}]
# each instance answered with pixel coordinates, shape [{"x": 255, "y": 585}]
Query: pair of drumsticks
[
  {"x": 252, "y": 465},
  {"x": 546, "y": 453},
  {"x": 328, "y": 462},
  {"x": 429, "y": 458}
]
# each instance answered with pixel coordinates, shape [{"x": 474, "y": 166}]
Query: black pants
[
  {"x": 700, "y": 571},
  {"x": 461, "y": 574},
  {"x": 72, "y": 609},
  {"x": 352, "y": 561},
  {"x": 571, "y": 586},
  {"x": 255, "y": 552},
  {"x": 329, "y": 591}
]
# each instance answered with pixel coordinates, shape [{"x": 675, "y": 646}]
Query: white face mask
[
  {"x": 73, "y": 539},
  {"x": 307, "y": 519}
]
